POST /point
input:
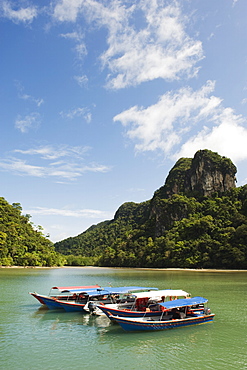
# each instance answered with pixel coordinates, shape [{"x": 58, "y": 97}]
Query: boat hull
[
  {"x": 38, "y": 297},
  {"x": 151, "y": 325},
  {"x": 72, "y": 307},
  {"x": 112, "y": 313},
  {"x": 50, "y": 302},
  {"x": 54, "y": 304}
]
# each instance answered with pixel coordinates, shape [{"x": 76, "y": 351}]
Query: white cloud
[
  {"x": 78, "y": 37},
  {"x": 67, "y": 10},
  {"x": 38, "y": 101},
  {"x": 66, "y": 170},
  {"x": 31, "y": 120},
  {"x": 81, "y": 80},
  {"x": 166, "y": 124},
  {"x": 78, "y": 112},
  {"x": 160, "y": 48},
  {"x": 25, "y": 15},
  {"x": 20, "y": 167},
  {"x": 229, "y": 138},
  {"x": 210, "y": 36},
  {"x": 25, "y": 96},
  {"x": 162, "y": 125},
  {"x": 81, "y": 50},
  {"x": 49, "y": 152},
  {"x": 80, "y": 213},
  {"x": 61, "y": 163}
]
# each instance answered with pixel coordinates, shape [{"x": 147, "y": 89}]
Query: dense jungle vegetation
[
  {"x": 197, "y": 219},
  {"x": 213, "y": 235},
  {"x": 22, "y": 244}
]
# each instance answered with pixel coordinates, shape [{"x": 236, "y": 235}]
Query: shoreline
[{"x": 124, "y": 268}]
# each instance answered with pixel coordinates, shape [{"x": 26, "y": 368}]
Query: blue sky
[{"x": 100, "y": 98}]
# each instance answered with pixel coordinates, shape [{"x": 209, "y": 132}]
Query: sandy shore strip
[{"x": 122, "y": 268}]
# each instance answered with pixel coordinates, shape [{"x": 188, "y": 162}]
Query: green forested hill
[
  {"x": 197, "y": 219},
  {"x": 20, "y": 243}
]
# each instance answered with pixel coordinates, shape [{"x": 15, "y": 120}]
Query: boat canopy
[
  {"x": 73, "y": 288},
  {"x": 77, "y": 291},
  {"x": 129, "y": 289},
  {"x": 117, "y": 290},
  {"x": 158, "y": 294},
  {"x": 183, "y": 302},
  {"x": 110, "y": 290},
  {"x": 97, "y": 290}
]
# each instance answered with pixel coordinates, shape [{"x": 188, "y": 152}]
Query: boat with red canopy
[
  {"x": 75, "y": 298},
  {"x": 62, "y": 293}
]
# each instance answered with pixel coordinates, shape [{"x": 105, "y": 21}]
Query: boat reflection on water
[
  {"x": 60, "y": 317},
  {"x": 98, "y": 321}
]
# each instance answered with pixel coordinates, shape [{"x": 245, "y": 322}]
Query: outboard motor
[
  {"x": 92, "y": 308},
  {"x": 207, "y": 311}
]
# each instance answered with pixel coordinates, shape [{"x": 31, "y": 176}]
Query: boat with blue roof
[
  {"x": 76, "y": 298},
  {"x": 175, "y": 314},
  {"x": 88, "y": 300}
]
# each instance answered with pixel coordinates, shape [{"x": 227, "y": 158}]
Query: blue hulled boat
[
  {"x": 177, "y": 313},
  {"x": 75, "y": 298},
  {"x": 62, "y": 293},
  {"x": 89, "y": 300}
]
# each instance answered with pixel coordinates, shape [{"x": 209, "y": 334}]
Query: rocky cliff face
[
  {"x": 204, "y": 175},
  {"x": 210, "y": 173}
]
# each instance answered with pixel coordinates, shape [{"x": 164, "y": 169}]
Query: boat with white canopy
[{"x": 144, "y": 303}]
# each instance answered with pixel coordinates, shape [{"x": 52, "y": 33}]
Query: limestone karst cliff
[{"x": 202, "y": 176}]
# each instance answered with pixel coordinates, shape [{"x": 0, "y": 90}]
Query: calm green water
[{"x": 35, "y": 338}]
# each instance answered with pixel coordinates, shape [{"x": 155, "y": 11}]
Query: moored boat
[
  {"x": 177, "y": 313},
  {"x": 144, "y": 303},
  {"x": 88, "y": 300},
  {"x": 62, "y": 293},
  {"x": 119, "y": 297}
]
